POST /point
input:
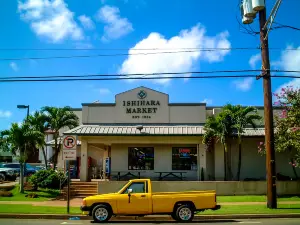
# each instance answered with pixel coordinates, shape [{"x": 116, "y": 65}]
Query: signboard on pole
[{"x": 69, "y": 147}]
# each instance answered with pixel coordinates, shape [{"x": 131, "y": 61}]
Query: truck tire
[
  {"x": 101, "y": 213},
  {"x": 173, "y": 215},
  {"x": 184, "y": 213}
]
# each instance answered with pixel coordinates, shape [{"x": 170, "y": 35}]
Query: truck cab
[{"x": 136, "y": 198}]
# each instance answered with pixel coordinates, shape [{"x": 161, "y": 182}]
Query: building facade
[{"x": 142, "y": 134}]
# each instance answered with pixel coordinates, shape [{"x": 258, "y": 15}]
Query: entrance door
[{"x": 138, "y": 203}]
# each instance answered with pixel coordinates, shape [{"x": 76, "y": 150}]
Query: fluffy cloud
[
  {"x": 86, "y": 22},
  {"x": 175, "y": 62},
  {"x": 104, "y": 91},
  {"x": 244, "y": 84},
  {"x": 207, "y": 101},
  {"x": 254, "y": 60},
  {"x": 14, "y": 66},
  {"x": 50, "y": 19},
  {"x": 5, "y": 114},
  {"x": 290, "y": 60},
  {"x": 116, "y": 26}
]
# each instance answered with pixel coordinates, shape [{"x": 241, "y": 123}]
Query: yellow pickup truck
[{"x": 137, "y": 199}]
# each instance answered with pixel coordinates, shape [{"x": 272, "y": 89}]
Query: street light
[
  {"x": 24, "y": 107},
  {"x": 24, "y": 165}
]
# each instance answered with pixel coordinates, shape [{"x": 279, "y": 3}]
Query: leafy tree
[
  {"x": 21, "y": 140},
  {"x": 287, "y": 126},
  {"x": 220, "y": 128},
  {"x": 242, "y": 118},
  {"x": 58, "y": 118},
  {"x": 38, "y": 122},
  {"x": 4, "y": 146}
]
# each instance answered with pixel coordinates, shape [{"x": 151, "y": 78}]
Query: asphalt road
[{"x": 209, "y": 222}]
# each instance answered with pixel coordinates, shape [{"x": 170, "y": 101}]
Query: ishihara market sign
[{"x": 141, "y": 108}]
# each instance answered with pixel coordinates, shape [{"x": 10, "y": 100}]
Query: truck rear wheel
[
  {"x": 101, "y": 213},
  {"x": 184, "y": 213}
]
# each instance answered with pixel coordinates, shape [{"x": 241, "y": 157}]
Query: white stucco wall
[
  {"x": 187, "y": 114},
  {"x": 162, "y": 160},
  {"x": 253, "y": 164}
]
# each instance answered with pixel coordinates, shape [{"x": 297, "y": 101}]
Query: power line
[
  {"x": 123, "y": 54},
  {"x": 286, "y": 26},
  {"x": 142, "y": 78},
  {"x": 137, "y": 49},
  {"x": 145, "y": 74}
]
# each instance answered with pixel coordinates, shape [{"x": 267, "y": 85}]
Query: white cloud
[
  {"x": 104, "y": 91},
  {"x": 175, "y": 62},
  {"x": 116, "y": 26},
  {"x": 5, "y": 114},
  {"x": 254, "y": 60},
  {"x": 207, "y": 101},
  {"x": 86, "y": 22},
  {"x": 14, "y": 66},
  {"x": 290, "y": 60},
  {"x": 50, "y": 19},
  {"x": 244, "y": 84}
]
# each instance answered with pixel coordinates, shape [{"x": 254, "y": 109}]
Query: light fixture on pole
[{"x": 24, "y": 107}]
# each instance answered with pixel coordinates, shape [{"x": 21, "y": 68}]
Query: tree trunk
[
  {"x": 225, "y": 163},
  {"x": 55, "y": 155},
  {"x": 45, "y": 157},
  {"x": 240, "y": 160},
  {"x": 22, "y": 160},
  {"x": 294, "y": 169}
]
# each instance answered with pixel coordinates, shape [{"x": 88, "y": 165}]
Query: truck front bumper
[
  {"x": 86, "y": 210},
  {"x": 217, "y": 207}
]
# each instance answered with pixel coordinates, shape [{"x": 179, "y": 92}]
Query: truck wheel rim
[
  {"x": 101, "y": 214},
  {"x": 185, "y": 214}
]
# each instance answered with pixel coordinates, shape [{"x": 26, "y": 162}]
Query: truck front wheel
[
  {"x": 101, "y": 213},
  {"x": 184, "y": 213}
]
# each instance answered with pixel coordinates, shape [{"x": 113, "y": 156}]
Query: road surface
[{"x": 208, "y": 222}]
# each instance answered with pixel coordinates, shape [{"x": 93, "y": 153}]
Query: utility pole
[{"x": 268, "y": 114}]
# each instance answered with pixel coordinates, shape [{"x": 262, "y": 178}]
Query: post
[
  {"x": 69, "y": 179},
  {"x": 268, "y": 115}
]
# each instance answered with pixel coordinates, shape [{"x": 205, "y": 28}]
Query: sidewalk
[{"x": 77, "y": 203}]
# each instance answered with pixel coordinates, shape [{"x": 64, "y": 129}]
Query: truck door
[{"x": 138, "y": 202}]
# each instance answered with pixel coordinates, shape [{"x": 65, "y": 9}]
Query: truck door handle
[{"x": 143, "y": 196}]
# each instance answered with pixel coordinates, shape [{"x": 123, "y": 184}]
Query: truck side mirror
[{"x": 129, "y": 191}]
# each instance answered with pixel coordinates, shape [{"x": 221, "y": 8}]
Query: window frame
[
  {"x": 129, "y": 148},
  {"x": 189, "y": 147},
  {"x": 138, "y": 182}
]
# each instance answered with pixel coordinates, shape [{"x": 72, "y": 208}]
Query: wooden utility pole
[{"x": 268, "y": 114}]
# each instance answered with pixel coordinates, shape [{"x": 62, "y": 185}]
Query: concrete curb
[{"x": 149, "y": 218}]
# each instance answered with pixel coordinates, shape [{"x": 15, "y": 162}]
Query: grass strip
[
  {"x": 253, "y": 209},
  {"x": 255, "y": 198}
]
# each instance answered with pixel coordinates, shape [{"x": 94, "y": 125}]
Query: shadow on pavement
[{"x": 172, "y": 222}]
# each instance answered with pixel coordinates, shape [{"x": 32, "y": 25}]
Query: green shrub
[
  {"x": 5, "y": 194},
  {"x": 47, "y": 179}
]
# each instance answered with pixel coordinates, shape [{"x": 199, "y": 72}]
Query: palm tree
[
  {"x": 219, "y": 128},
  {"x": 21, "y": 140},
  {"x": 38, "y": 122},
  {"x": 58, "y": 118},
  {"x": 242, "y": 118}
]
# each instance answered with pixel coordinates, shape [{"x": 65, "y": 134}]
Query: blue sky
[{"x": 130, "y": 24}]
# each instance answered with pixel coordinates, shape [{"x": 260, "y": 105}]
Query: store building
[{"x": 142, "y": 134}]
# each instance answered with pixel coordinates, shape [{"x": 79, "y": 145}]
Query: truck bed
[{"x": 165, "y": 201}]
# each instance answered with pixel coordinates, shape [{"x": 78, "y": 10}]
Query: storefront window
[
  {"x": 140, "y": 158},
  {"x": 184, "y": 158}
]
